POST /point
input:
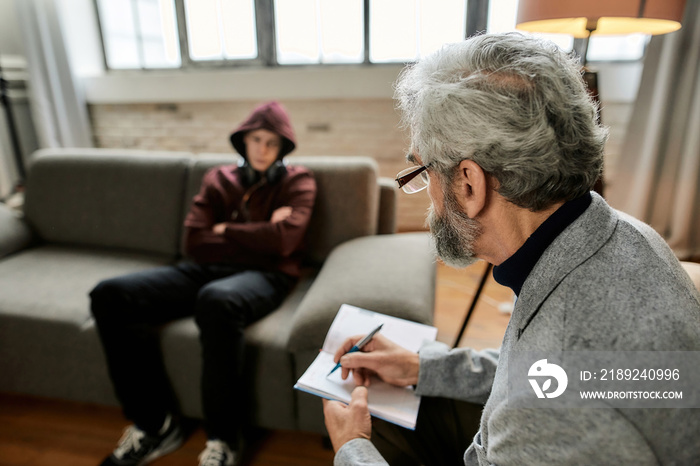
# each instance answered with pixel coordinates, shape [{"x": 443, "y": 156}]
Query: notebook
[{"x": 391, "y": 403}]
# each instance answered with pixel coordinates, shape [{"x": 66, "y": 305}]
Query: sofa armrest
[
  {"x": 386, "y": 223},
  {"x": 15, "y": 233},
  {"x": 391, "y": 274}
]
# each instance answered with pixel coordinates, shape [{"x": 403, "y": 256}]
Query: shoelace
[
  {"x": 130, "y": 441},
  {"x": 214, "y": 454}
]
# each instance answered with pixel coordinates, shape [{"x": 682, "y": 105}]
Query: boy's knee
[
  {"x": 105, "y": 296},
  {"x": 216, "y": 307}
]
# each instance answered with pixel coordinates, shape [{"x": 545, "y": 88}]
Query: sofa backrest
[
  {"x": 103, "y": 197},
  {"x": 346, "y": 202},
  {"x": 138, "y": 199}
]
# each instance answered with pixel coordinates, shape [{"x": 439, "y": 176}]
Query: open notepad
[{"x": 395, "y": 404}]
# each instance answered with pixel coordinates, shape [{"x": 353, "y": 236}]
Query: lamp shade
[{"x": 580, "y": 18}]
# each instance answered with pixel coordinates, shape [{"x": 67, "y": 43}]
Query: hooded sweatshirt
[
  {"x": 250, "y": 238},
  {"x": 272, "y": 117}
]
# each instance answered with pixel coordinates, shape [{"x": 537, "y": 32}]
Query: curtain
[
  {"x": 58, "y": 106},
  {"x": 658, "y": 177}
]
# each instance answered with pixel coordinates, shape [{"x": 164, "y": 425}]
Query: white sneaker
[
  {"x": 136, "y": 447},
  {"x": 217, "y": 453}
]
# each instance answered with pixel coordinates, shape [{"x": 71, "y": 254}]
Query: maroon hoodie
[
  {"x": 272, "y": 117},
  {"x": 250, "y": 239}
]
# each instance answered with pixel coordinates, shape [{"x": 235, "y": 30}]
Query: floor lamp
[{"x": 584, "y": 18}]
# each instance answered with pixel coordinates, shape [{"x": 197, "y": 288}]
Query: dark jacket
[{"x": 228, "y": 195}]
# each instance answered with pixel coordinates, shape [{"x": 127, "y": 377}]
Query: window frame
[{"x": 476, "y": 22}]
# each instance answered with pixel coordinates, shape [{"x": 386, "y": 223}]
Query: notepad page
[{"x": 352, "y": 320}]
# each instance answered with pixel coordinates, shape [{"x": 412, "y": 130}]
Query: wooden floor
[{"x": 43, "y": 432}]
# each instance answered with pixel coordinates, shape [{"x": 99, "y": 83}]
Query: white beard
[{"x": 453, "y": 233}]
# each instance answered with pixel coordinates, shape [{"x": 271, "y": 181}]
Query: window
[
  {"x": 319, "y": 31},
  {"x": 147, "y": 34},
  {"x": 405, "y": 30},
  {"x": 221, "y": 29},
  {"x": 139, "y": 33},
  {"x": 617, "y": 48}
]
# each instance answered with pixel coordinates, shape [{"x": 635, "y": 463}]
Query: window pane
[
  {"x": 221, "y": 29},
  {"x": 319, "y": 31},
  {"x": 342, "y": 31},
  {"x": 156, "y": 21},
  {"x": 393, "y": 30},
  {"x": 564, "y": 41},
  {"x": 139, "y": 33},
  {"x": 238, "y": 19},
  {"x": 441, "y": 22},
  {"x": 502, "y": 15},
  {"x": 116, "y": 17},
  {"x": 629, "y": 47},
  {"x": 203, "y": 30},
  {"x": 119, "y": 34},
  {"x": 122, "y": 52},
  {"x": 402, "y": 30},
  {"x": 297, "y": 31}
]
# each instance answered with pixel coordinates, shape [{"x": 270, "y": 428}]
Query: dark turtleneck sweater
[{"x": 514, "y": 271}]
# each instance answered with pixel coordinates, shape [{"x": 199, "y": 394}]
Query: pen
[{"x": 358, "y": 346}]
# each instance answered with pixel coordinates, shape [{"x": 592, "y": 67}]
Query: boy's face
[{"x": 262, "y": 147}]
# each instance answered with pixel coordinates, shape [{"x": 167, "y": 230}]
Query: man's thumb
[{"x": 359, "y": 395}]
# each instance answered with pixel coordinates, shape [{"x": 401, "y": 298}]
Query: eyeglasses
[{"x": 413, "y": 179}]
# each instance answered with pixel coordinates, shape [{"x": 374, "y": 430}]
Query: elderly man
[{"x": 507, "y": 142}]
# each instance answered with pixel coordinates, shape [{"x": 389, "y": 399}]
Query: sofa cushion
[
  {"x": 48, "y": 344},
  {"x": 52, "y": 281},
  {"x": 347, "y": 197},
  {"x": 111, "y": 198},
  {"x": 405, "y": 262}
]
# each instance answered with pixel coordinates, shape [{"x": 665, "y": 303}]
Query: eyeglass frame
[{"x": 403, "y": 180}]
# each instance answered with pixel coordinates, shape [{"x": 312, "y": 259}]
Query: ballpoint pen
[{"x": 358, "y": 346}]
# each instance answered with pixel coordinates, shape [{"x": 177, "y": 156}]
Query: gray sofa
[{"x": 90, "y": 214}]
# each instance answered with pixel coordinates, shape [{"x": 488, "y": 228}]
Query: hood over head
[{"x": 270, "y": 116}]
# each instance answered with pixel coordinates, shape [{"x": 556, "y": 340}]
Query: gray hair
[{"x": 514, "y": 104}]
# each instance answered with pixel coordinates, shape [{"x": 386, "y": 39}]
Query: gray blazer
[{"x": 607, "y": 283}]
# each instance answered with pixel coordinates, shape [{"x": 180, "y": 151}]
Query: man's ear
[{"x": 471, "y": 187}]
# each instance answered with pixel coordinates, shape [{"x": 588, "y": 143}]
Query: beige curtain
[{"x": 658, "y": 177}]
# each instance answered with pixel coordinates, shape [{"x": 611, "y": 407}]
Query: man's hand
[
  {"x": 219, "y": 228},
  {"x": 389, "y": 361},
  {"x": 281, "y": 214},
  {"x": 348, "y": 422}
]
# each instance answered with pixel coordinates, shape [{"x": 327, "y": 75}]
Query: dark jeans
[
  {"x": 130, "y": 309},
  {"x": 444, "y": 430}
]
